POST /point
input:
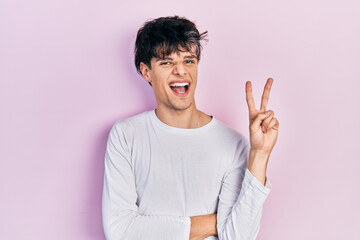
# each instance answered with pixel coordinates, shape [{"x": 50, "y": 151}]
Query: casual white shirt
[{"x": 158, "y": 176}]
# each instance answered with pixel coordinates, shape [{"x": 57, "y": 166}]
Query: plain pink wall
[{"x": 67, "y": 74}]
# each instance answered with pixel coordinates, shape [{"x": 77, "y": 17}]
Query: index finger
[
  {"x": 265, "y": 96},
  {"x": 249, "y": 97}
]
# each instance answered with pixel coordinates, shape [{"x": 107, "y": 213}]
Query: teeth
[{"x": 179, "y": 84}]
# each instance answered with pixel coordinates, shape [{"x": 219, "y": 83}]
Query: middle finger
[{"x": 265, "y": 95}]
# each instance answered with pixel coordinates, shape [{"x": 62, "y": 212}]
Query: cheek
[
  {"x": 160, "y": 84},
  {"x": 193, "y": 74},
  {"x": 192, "y": 70}
]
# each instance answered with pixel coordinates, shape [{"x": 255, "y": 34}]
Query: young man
[{"x": 176, "y": 172}]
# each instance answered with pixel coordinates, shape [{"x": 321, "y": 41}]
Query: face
[{"x": 173, "y": 79}]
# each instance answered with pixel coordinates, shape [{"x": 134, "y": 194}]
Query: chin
[{"x": 181, "y": 107}]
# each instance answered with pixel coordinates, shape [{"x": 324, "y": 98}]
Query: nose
[{"x": 179, "y": 70}]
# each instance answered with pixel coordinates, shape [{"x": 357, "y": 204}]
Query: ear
[{"x": 145, "y": 72}]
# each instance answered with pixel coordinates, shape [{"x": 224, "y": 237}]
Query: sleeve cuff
[
  {"x": 188, "y": 227},
  {"x": 255, "y": 182}
]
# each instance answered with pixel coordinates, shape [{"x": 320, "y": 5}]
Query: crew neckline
[{"x": 166, "y": 127}]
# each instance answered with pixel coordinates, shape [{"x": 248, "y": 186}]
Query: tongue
[{"x": 178, "y": 89}]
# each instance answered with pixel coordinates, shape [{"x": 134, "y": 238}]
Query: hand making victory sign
[{"x": 263, "y": 129}]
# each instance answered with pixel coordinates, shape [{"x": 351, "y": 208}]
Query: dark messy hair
[{"x": 162, "y": 36}]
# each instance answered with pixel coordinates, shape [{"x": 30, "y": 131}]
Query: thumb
[{"x": 259, "y": 118}]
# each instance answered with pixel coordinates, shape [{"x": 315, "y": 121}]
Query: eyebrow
[{"x": 168, "y": 58}]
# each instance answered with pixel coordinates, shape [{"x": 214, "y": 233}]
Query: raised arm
[
  {"x": 121, "y": 219},
  {"x": 241, "y": 199},
  {"x": 245, "y": 186}
]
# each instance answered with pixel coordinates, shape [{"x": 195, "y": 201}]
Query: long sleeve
[
  {"x": 241, "y": 200},
  {"x": 121, "y": 219}
]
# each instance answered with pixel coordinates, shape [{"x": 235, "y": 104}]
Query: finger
[
  {"x": 266, "y": 122},
  {"x": 249, "y": 97},
  {"x": 265, "y": 95},
  {"x": 274, "y": 124},
  {"x": 257, "y": 121}
]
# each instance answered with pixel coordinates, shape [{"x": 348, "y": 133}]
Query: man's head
[
  {"x": 167, "y": 53},
  {"x": 162, "y": 36}
]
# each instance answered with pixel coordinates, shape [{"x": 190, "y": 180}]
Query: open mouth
[{"x": 180, "y": 88}]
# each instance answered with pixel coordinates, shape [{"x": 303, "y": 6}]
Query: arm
[
  {"x": 241, "y": 199},
  {"x": 257, "y": 165},
  {"x": 203, "y": 226},
  {"x": 243, "y": 192},
  {"x": 121, "y": 219}
]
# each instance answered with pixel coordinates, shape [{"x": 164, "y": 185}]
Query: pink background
[{"x": 67, "y": 74}]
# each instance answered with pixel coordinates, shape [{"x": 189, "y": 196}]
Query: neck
[{"x": 188, "y": 118}]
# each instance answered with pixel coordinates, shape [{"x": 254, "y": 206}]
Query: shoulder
[
  {"x": 228, "y": 133},
  {"x": 126, "y": 127},
  {"x": 131, "y": 122}
]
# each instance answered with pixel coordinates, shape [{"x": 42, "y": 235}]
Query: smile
[{"x": 180, "y": 88}]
